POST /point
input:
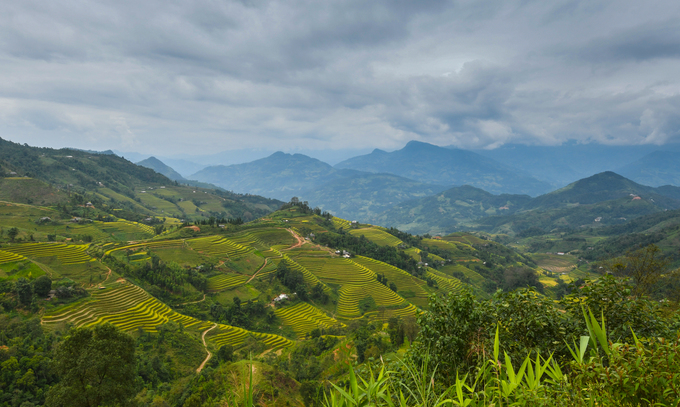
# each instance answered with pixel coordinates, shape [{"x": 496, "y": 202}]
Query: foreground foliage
[{"x": 600, "y": 372}]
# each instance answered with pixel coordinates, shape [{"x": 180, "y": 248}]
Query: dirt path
[
  {"x": 300, "y": 240},
  {"x": 194, "y": 302},
  {"x": 206, "y": 349},
  {"x": 107, "y": 276},
  {"x": 260, "y": 269}
]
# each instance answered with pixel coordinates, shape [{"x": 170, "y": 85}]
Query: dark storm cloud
[
  {"x": 174, "y": 75},
  {"x": 649, "y": 41}
]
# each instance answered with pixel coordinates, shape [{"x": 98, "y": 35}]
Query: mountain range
[
  {"x": 444, "y": 166},
  {"x": 602, "y": 199}
]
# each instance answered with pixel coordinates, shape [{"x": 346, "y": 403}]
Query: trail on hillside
[
  {"x": 193, "y": 302},
  {"x": 260, "y": 269},
  {"x": 206, "y": 349},
  {"x": 300, "y": 240}
]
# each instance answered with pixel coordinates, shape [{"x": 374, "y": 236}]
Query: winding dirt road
[
  {"x": 299, "y": 238},
  {"x": 206, "y": 349}
]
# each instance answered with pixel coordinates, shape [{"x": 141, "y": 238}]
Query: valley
[{"x": 236, "y": 279}]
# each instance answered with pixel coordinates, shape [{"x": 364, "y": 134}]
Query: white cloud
[{"x": 168, "y": 77}]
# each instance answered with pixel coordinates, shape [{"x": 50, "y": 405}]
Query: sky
[{"x": 200, "y": 77}]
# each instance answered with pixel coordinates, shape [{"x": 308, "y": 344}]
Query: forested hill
[
  {"x": 115, "y": 186},
  {"x": 68, "y": 167}
]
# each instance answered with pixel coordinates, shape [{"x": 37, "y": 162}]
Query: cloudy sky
[{"x": 172, "y": 77}]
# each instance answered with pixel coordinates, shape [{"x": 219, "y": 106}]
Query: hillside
[
  {"x": 452, "y": 210},
  {"x": 74, "y": 168},
  {"x": 362, "y": 196},
  {"x": 158, "y": 166},
  {"x": 114, "y": 186},
  {"x": 443, "y": 166},
  {"x": 655, "y": 169}
]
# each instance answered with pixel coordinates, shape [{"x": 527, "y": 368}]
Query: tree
[
  {"x": 23, "y": 290},
  {"x": 96, "y": 367},
  {"x": 12, "y": 233},
  {"x": 42, "y": 285},
  {"x": 226, "y": 353},
  {"x": 644, "y": 267},
  {"x": 452, "y": 333}
]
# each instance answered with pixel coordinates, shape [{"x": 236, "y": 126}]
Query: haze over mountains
[{"x": 423, "y": 188}]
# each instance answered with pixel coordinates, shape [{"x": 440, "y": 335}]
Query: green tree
[
  {"x": 452, "y": 333},
  {"x": 225, "y": 353},
  {"x": 644, "y": 267},
  {"x": 23, "y": 290},
  {"x": 12, "y": 233},
  {"x": 42, "y": 286},
  {"x": 96, "y": 367}
]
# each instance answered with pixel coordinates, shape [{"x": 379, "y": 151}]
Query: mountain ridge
[{"x": 428, "y": 163}]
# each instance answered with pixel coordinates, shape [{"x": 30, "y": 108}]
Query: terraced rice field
[
  {"x": 310, "y": 278},
  {"x": 556, "y": 263},
  {"x": 403, "y": 280},
  {"x": 8, "y": 257},
  {"x": 234, "y": 336},
  {"x": 219, "y": 246},
  {"x": 225, "y": 281},
  {"x": 66, "y": 253},
  {"x": 341, "y": 223},
  {"x": 248, "y": 239},
  {"x": 377, "y": 236},
  {"x": 126, "y": 306},
  {"x": 415, "y": 253},
  {"x": 272, "y": 237},
  {"x": 165, "y": 244},
  {"x": 356, "y": 281},
  {"x": 126, "y": 229},
  {"x": 458, "y": 250},
  {"x": 445, "y": 282},
  {"x": 304, "y": 318},
  {"x": 476, "y": 279},
  {"x": 409, "y": 311},
  {"x": 227, "y": 335},
  {"x": 272, "y": 341}
]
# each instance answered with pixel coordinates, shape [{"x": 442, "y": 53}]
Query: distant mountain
[
  {"x": 362, "y": 196},
  {"x": 564, "y": 164},
  {"x": 158, "y": 166},
  {"x": 602, "y": 199},
  {"x": 184, "y": 167},
  {"x": 602, "y": 187},
  {"x": 428, "y": 163},
  {"x": 279, "y": 176},
  {"x": 452, "y": 210},
  {"x": 654, "y": 169}
]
